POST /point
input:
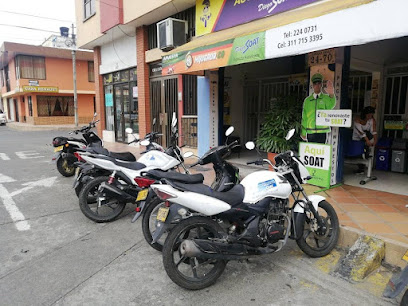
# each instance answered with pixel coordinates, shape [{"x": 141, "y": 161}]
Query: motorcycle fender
[
  {"x": 57, "y": 156},
  {"x": 161, "y": 227},
  {"x": 69, "y": 157},
  {"x": 142, "y": 205},
  {"x": 315, "y": 199},
  {"x": 299, "y": 223}
]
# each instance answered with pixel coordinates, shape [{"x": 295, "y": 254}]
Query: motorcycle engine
[
  {"x": 272, "y": 228},
  {"x": 275, "y": 232}
]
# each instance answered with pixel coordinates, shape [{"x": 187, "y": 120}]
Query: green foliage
[{"x": 285, "y": 114}]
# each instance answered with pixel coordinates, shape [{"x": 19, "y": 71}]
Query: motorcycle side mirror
[
  {"x": 188, "y": 154},
  {"x": 129, "y": 131},
  {"x": 145, "y": 142},
  {"x": 250, "y": 145},
  {"x": 174, "y": 120},
  {"x": 290, "y": 134},
  {"x": 95, "y": 114},
  {"x": 154, "y": 121},
  {"x": 229, "y": 131}
]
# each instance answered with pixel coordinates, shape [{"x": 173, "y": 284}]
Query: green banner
[
  {"x": 317, "y": 159},
  {"x": 248, "y": 48}
]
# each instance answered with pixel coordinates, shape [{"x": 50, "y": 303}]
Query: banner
[
  {"x": 240, "y": 50},
  {"x": 216, "y": 15},
  {"x": 316, "y": 158},
  {"x": 40, "y": 88}
]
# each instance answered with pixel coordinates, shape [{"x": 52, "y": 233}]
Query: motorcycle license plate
[
  {"x": 58, "y": 148},
  {"x": 162, "y": 214},
  {"x": 142, "y": 195}
]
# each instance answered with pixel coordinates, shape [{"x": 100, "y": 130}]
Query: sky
[{"x": 14, "y": 14}]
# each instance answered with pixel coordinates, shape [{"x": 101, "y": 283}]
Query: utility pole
[{"x": 74, "y": 76}]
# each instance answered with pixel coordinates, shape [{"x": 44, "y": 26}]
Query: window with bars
[
  {"x": 359, "y": 85},
  {"x": 91, "y": 75},
  {"x": 89, "y": 8},
  {"x": 30, "y": 67},
  {"x": 188, "y": 15},
  {"x": 48, "y": 106}
]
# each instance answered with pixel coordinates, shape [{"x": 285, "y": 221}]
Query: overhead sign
[
  {"x": 316, "y": 158},
  {"x": 334, "y": 117},
  {"x": 242, "y": 49},
  {"x": 216, "y": 15},
  {"x": 40, "y": 89}
]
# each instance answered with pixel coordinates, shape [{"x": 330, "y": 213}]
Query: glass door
[{"x": 119, "y": 118}]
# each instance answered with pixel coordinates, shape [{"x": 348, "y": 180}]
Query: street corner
[{"x": 364, "y": 257}]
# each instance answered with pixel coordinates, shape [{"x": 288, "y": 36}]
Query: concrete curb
[{"x": 31, "y": 128}]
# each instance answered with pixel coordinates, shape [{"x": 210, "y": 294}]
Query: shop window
[
  {"x": 30, "y": 67},
  {"x": 91, "y": 74},
  {"x": 89, "y": 8},
  {"x": 55, "y": 106},
  {"x": 30, "y": 106},
  {"x": 109, "y": 110}
]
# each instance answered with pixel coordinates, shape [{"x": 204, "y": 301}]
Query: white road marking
[
  {"x": 6, "y": 179},
  {"x": 48, "y": 182},
  {"x": 28, "y": 154},
  {"x": 4, "y": 156},
  {"x": 15, "y": 214}
]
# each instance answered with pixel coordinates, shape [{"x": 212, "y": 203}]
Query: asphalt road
[{"x": 52, "y": 254}]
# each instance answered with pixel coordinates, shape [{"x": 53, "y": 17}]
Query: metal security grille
[
  {"x": 155, "y": 104},
  {"x": 359, "y": 85},
  {"x": 170, "y": 103},
  {"x": 259, "y": 97},
  {"x": 395, "y": 103},
  {"x": 188, "y": 15},
  {"x": 189, "y": 119}
]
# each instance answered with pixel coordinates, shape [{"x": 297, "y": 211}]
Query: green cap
[{"x": 317, "y": 77}]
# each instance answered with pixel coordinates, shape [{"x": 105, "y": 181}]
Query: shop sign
[
  {"x": 243, "y": 49},
  {"x": 393, "y": 125},
  {"x": 335, "y": 117},
  {"x": 155, "y": 69},
  {"x": 316, "y": 158},
  {"x": 216, "y": 15},
  {"x": 33, "y": 83},
  {"x": 40, "y": 89},
  {"x": 108, "y": 99},
  {"x": 322, "y": 57}
]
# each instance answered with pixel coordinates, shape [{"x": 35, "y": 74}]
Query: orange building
[{"x": 37, "y": 84}]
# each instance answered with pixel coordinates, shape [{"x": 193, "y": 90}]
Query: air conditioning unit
[{"x": 171, "y": 33}]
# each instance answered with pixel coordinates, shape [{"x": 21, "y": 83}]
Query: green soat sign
[{"x": 316, "y": 158}]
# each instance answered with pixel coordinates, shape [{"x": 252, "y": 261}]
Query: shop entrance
[
  {"x": 163, "y": 99},
  {"x": 125, "y": 110}
]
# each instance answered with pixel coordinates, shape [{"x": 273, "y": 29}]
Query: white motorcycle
[{"x": 253, "y": 218}]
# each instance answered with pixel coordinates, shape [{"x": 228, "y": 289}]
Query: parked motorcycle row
[{"x": 199, "y": 228}]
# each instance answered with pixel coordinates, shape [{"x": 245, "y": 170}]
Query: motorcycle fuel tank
[
  {"x": 262, "y": 184},
  {"x": 158, "y": 159}
]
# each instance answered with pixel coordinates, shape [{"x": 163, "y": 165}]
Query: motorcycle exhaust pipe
[
  {"x": 116, "y": 192},
  {"x": 219, "y": 250}
]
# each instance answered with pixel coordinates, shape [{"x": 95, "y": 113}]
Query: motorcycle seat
[
  {"x": 125, "y": 156},
  {"x": 130, "y": 165},
  {"x": 234, "y": 196},
  {"x": 177, "y": 176},
  {"x": 75, "y": 139}
]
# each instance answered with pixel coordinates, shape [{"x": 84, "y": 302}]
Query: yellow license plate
[
  {"x": 162, "y": 214},
  {"x": 142, "y": 195},
  {"x": 58, "y": 148}
]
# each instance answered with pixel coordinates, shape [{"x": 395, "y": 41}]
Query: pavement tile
[
  {"x": 351, "y": 224},
  {"x": 401, "y": 208},
  {"x": 394, "y": 200},
  {"x": 393, "y": 217},
  {"x": 354, "y": 208},
  {"x": 343, "y": 217},
  {"x": 396, "y": 237},
  {"x": 334, "y": 192},
  {"x": 368, "y": 201},
  {"x": 365, "y": 217},
  {"x": 345, "y": 200},
  {"x": 363, "y": 193},
  {"x": 382, "y": 208},
  {"x": 401, "y": 227},
  {"x": 377, "y": 228}
]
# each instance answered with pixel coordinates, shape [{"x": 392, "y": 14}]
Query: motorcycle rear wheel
[
  {"x": 65, "y": 168},
  {"x": 149, "y": 224},
  {"x": 317, "y": 244},
  {"x": 188, "y": 272},
  {"x": 88, "y": 202}
]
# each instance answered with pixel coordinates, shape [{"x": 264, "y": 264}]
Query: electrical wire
[
  {"x": 125, "y": 32},
  {"x": 10, "y": 12},
  {"x": 28, "y": 28},
  {"x": 114, "y": 48}
]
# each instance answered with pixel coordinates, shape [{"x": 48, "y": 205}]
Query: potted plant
[{"x": 285, "y": 114}]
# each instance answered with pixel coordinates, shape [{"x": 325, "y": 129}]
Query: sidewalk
[{"x": 22, "y": 126}]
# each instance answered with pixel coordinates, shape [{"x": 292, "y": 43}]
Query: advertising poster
[
  {"x": 240, "y": 50},
  {"x": 216, "y": 15},
  {"x": 316, "y": 158},
  {"x": 108, "y": 99}
]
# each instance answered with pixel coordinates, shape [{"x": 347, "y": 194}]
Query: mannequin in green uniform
[{"x": 317, "y": 100}]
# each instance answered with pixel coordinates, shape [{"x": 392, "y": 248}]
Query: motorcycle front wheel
[
  {"x": 149, "y": 223},
  {"x": 192, "y": 273},
  {"x": 317, "y": 242},
  {"x": 65, "y": 168},
  {"x": 96, "y": 205}
]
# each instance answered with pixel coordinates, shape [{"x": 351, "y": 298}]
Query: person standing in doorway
[{"x": 317, "y": 100}]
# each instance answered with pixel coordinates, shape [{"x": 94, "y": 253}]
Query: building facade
[{"x": 37, "y": 84}]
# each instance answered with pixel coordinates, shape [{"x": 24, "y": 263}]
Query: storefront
[{"x": 282, "y": 57}]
